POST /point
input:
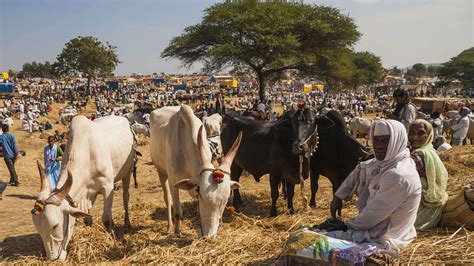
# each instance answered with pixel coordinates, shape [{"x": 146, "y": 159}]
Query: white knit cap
[{"x": 381, "y": 129}]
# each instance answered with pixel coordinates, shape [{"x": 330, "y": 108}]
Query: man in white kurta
[{"x": 388, "y": 190}]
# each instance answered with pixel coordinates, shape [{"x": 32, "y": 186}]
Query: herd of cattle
[{"x": 300, "y": 144}]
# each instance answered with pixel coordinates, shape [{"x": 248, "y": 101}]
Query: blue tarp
[
  {"x": 180, "y": 87},
  {"x": 159, "y": 81},
  {"x": 6, "y": 87},
  {"x": 113, "y": 85}
]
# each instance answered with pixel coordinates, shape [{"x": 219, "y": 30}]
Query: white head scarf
[{"x": 397, "y": 145}]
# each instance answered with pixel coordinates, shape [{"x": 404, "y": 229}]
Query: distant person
[
  {"x": 461, "y": 127},
  {"x": 10, "y": 153},
  {"x": 405, "y": 111},
  {"x": 52, "y": 161},
  {"x": 437, "y": 124},
  {"x": 8, "y": 121},
  {"x": 440, "y": 144}
]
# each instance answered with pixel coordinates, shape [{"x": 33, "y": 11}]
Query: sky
[{"x": 401, "y": 32}]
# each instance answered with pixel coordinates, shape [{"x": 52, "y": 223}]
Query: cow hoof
[
  {"x": 108, "y": 226},
  {"x": 273, "y": 213},
  {"x": 312, "y": 205},
  {"x": 128, "y": 226},
  {"x": 88, "y": 221}
]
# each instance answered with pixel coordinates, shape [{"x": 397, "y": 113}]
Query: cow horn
[
  {"x": 45, "y": 185},
  {"x": 229, "y": 157},
  {"x": 61, "y": 194},
  {"x": 202, "y": 152}
]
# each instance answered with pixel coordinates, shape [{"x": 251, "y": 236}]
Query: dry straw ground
[{"x": 248, "y": 237}]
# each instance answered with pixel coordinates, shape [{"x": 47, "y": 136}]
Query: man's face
[
  {"x": 380, "y": 146},
  {"x": 399, "y": 99},
  {"x": 417, "y": 135}
]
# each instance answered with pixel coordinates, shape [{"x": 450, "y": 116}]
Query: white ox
[
  {"x": 181, "y": 154},
  {"x": 213, "y": 124},
  {"x": 140, "y": 129},
  {"x": 98, "y": 154},
  {"x": 359, "y": 126}
]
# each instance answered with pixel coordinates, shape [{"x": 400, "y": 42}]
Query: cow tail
[{"x": 134, "y": 170}]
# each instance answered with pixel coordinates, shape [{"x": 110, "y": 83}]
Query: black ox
[
  {"x": 275, "y": 148},
  {"x": 335, "y": 156}
]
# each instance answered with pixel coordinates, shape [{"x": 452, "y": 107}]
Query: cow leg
[
  {"x": 88, "y": 219},
  {"x": 167, "y": 197},
  {"x": 177, "y": 210},
  {"x": 236, "y": 172},
  {"x": 126, "y": 198},
  {"x": 314, "y": 188},
  {"x": 283, "y": 189},
  {"x": 274, "y": 193},
  {"x": 107, "y": 214},
  {"x": 290, "y": 191}
]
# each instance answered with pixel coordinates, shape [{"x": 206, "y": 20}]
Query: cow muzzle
[{"x": 299, "y": 149}]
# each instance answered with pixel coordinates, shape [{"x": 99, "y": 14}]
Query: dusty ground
[{"x": 250, "y": 237}]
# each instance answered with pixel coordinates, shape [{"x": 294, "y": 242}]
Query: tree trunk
[{"x": 261, "y": 85}]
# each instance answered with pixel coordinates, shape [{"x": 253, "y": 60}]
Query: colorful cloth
[{"x": 307, "y": 243}]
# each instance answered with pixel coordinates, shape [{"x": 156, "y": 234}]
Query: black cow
[
  {"x": 337, "y": 152},
  {"x": 266, "y": 148}
]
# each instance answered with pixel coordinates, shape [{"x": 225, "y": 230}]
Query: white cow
[
  {"x": 98, "y": 154},
  {"x": 213, "y": 124},
  {"x": 452, "y": 114},
  {"x": 140, "y": 129},
  {"x": 181, "y": 154},
  {"x": 359, "y": 126}
]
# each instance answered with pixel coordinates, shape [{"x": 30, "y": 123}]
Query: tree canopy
[
  {"x": 267, "y": 38},
  {"x": 368, "y": 69},
  {"x": 37, "y": 70},
  {"x": 460, "y": 67},
  {"x": 87, "y": 56}
]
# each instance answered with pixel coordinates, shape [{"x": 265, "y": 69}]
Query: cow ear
[
  {"x": 77, "y": 213},
  {"x": 325, "y": 122},
  {"x": 185, "y": 184},
  {"x": 235, "y": 185}
]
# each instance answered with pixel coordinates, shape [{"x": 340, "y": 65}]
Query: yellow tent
[
  {"x": 318, "y": 86},
  {"x": 5, "y": 75},
  {"x": 307, "y": 88},
  {"x": 230, "y": 83}
]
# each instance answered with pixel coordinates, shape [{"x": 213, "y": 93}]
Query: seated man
[
  {"x": 441, "y": 145},
  {"x": 388, "y": 189},
  {"x": 433, "y": 174}
]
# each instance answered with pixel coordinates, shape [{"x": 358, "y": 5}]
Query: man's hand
[{"x": 336, "y": 206}]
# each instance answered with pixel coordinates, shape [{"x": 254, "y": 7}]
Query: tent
[
  {"x": 6, "y": 87},
  {"x": 159, "y": 81},
  {"x": 113, "y": 85}
]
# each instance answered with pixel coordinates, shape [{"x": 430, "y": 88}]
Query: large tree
[
  {"x": 266, "y": 37},
  {"x": 460, "y": 67},
  {"x": 87, "y": 56},
  {"x": 369, "y": 69}
]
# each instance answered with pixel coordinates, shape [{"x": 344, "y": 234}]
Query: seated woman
[
  {"x": 433, "y": 174},
  {"x": 52, "y": 161},
  {"x": 388, "y": 189}
]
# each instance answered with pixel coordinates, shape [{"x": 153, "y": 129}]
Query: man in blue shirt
[{"x": 10, "y": 153}]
